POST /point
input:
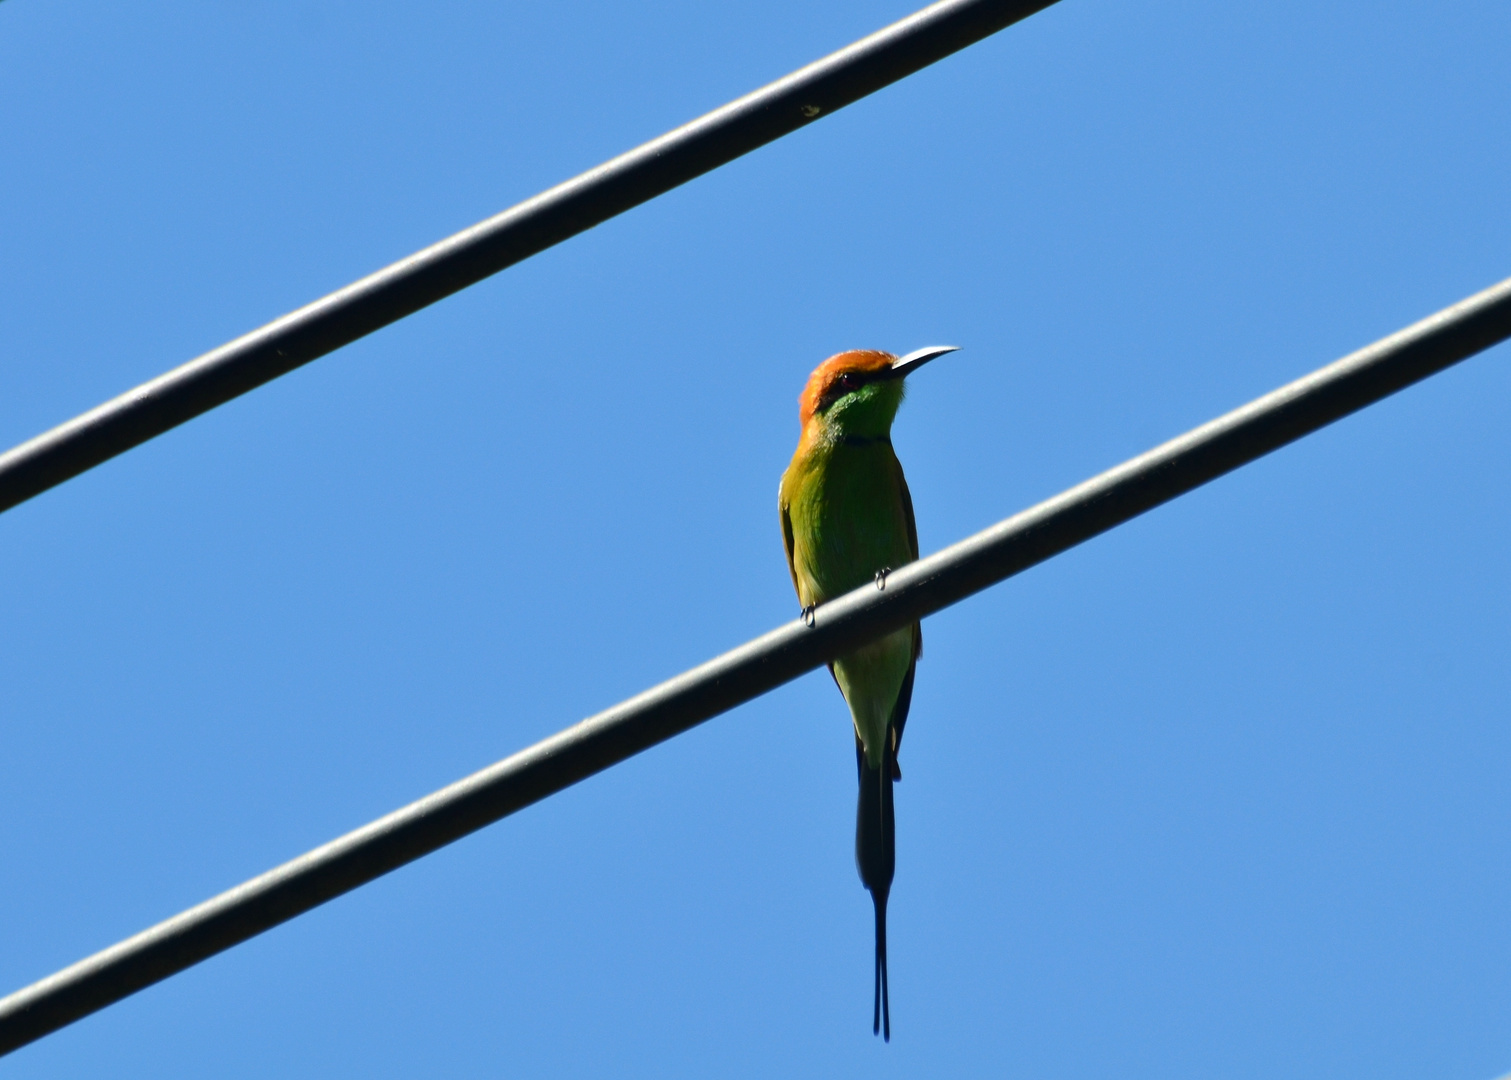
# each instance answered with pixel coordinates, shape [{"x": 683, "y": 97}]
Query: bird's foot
[
  {"x": 881, "y": 577},
  {"x": 808, "y": 618}
]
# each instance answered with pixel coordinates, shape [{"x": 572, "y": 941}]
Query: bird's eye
[{"x": 849, "y": 381}]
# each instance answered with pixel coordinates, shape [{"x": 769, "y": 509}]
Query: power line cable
[
  {"x": 527, "y": 229},
  {"x": 906, "y": 594}
]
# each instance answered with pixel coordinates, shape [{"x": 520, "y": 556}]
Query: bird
[{"x": 847, "y": 521}]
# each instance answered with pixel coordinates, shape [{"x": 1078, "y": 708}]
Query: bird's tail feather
[
  {"x": 876, "y": 859},
  {"x": 880, "y": 1010}
]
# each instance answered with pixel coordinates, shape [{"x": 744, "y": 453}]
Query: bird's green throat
[{"x": 864, "y": 413}]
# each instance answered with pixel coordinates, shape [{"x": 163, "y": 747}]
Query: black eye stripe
[{"x": 847, "y": 383}]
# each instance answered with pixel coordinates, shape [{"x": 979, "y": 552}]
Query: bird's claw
[
  {"x": 808, "y": 618},
  {"x": 881, "y": 577}
]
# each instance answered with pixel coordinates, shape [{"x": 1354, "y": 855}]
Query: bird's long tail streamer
[
  {"x": 881, "y": 1006},
  {"x": 875, "y": 858}
]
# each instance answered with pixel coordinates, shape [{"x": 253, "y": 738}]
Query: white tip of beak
[{"x": 906, "y": 365}]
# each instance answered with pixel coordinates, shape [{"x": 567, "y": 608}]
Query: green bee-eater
[{"x": 847, "y": 519}]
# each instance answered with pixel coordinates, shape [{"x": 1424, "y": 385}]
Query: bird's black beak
[{"x": 906, "y": 365}]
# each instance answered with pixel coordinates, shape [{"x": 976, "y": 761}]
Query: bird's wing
[
  {"x": 792, "y": 569},
  {"x": 912, "y": 524},
  {"x": 900, "y": 716},
  {"x": 907, "y": 506},
  {"x": 905, "y": 695},
  {"x": 787, "y": 543}
]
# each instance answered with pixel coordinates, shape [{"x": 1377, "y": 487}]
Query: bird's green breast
[
  {"x": 847, "y": 509},
  {"x": 845, "y": 504}
]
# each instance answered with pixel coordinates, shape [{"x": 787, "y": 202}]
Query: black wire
[
  {"x": 501, "y": 241},
  {"x": 911, "y": 592}
]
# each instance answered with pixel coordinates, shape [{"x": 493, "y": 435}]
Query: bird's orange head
[
  {"x": 859, "y": 391},
  {"x": 841, "y": 374}
]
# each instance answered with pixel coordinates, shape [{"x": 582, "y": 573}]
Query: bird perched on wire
[{"x": 847, "y": 519}]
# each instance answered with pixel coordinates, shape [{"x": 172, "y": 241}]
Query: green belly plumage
[{"x": 849, "y": 521}]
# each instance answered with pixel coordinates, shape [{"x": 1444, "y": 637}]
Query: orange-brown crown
[{"x": 824, "y": 383}]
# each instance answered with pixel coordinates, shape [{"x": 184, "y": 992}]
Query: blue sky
[{"x": 1224, "y": 792}]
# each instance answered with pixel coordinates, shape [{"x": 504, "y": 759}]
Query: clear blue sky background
[{"x": 1224, "y": 793}]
